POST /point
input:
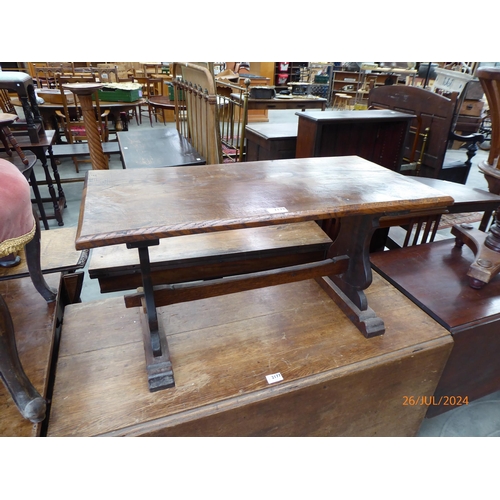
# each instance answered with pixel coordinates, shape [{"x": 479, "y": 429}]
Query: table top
[
  {"x": 434, "y": 275},
  {"x": 355, "y": 115},
  {"x": 285, "y": 103},
  {"x": 465, "y": 197},
  {"x": 271, "y": 131},
  {"x": 157, "y": 147},
  {"x": 148, "y": 204},
  {"x": 102, "y": 104}
]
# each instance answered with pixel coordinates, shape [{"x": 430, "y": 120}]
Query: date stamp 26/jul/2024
[{"x": 435, "y": 400}]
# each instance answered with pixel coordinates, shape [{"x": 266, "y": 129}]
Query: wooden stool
[{"x": 342, "y": 101}]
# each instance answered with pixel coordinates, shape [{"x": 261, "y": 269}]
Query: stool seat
[{"x": 17, "y": 225}]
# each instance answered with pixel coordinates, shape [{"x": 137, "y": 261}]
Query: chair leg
[
  {"x": 33, "y": 256},
  {"x": 27, "y": 399},
  {"x": 75, "y": 161}
]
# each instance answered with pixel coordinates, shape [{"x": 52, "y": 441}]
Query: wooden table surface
[
  {"x": 280, "y": 103},
  {"x": 157, "y": 147},
  {"x": 149, "y": 204}
]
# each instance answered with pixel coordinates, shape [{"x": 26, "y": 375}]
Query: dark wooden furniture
[
  {"x": 22, "y": 84},
  {"x": 466, "y": 199},
  {"x": 486, "y": 264},
  {"x": 212, "y": 255},
  {"x": 271, "y": 141},
  {"x": 19, "y": 230},
  {"x": 43, "y": 150},
  {"x": 37, "y": 335},
  {"x": 335, "y": 382},
  {"x": 433, "y": 112},
  {"x": 434, "y": 276},
  {"x": 117, "y": 111},
  {"x": 422, "y": 228},
  {"x": 159, "y": 147},
  {"x": 138, "y": 208},
  {"x": 377, "y": 136},
  {"x": 302, "y": 103},
  {"x": 57, "y": 255}
]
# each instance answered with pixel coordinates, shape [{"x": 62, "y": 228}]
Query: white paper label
[
  {"x": 277, "y": 210},
  {"x": 275, "y": 377}
]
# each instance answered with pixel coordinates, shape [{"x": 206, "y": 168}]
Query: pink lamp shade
[{"x": 17, "y": 224}]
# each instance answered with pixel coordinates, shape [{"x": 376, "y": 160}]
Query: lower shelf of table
[{"x": 335, "y": 381}]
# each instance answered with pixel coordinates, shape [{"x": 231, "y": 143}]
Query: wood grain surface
[
  {"x": 124, "y": 206},
  {"x": 34, "y": 323},
  {"x": 336, "y": 382}
]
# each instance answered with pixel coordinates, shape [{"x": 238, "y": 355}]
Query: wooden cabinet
[
  {"x": 271, "y": 141},
  {"x": 376, "y": 135}
]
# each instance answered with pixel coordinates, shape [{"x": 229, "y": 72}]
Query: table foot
[
  {"x": 158, "y": 367},
  {"x": 347, "y": 289},
  {"x": 486, "y": 263},
  {"x": 366, "y": 321}
]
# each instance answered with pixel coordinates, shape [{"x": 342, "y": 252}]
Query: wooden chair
[
  {"x": 158, "y": 99},
  {"x": 435, "y": 117},
  {"x": 46, "y": 76},
  {"x": 72, "y": 126},
  {"x": 107, "y": 74},
  {"x": 5, "y": 103},
  {"x": 145, "y": 94}
]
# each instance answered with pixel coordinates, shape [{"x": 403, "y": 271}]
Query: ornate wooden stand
[
  {"x": 486, "y": 247},
  {"x": 84, "y": 92}
]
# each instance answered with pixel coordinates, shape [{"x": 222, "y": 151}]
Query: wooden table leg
[
  {"x": 346, "y": 289},
  {"x": 158, "y": 364}
]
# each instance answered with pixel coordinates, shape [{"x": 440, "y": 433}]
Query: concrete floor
[{"x": 479, "y": 418}]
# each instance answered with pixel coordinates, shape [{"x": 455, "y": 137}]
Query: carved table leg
[
  {"x": 347, "y": 289},
  {"x": 27, "y": 399}
]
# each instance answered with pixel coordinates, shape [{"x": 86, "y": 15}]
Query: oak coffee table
[{"x": 140, "y": 207}]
